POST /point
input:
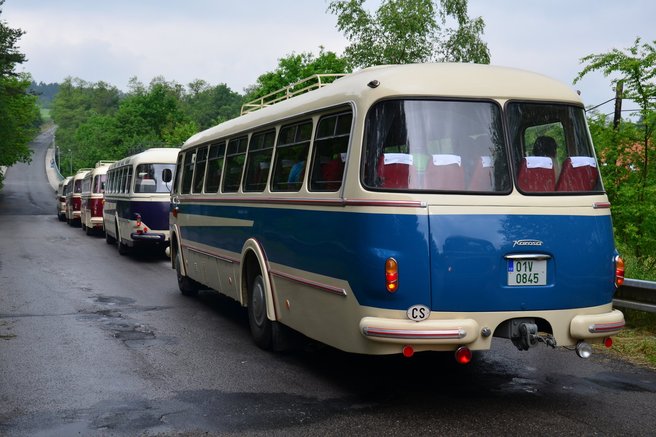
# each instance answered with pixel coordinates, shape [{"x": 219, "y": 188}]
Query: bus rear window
[
  {"x": 440, "y": 146},
  {"x": 552, "y": 151}
]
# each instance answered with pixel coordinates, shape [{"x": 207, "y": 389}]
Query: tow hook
[{"x": 526, "y": 335}]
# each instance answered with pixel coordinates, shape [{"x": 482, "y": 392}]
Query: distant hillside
[{"x": 45, "y": 92}]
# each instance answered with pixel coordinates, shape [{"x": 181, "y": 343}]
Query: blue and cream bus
[
  {"x": 402, "y": 209},
  {"x": 137, "y": 200}
]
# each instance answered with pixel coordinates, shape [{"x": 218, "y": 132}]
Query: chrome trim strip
[
  {"x": 435, "y": 334},
  {"x": 321, "y": 287},
  {"x": 535, "y": 256},
  {"x": 208, "y": 253},
  {"x": 596, "y": 328},
  {"x": 308, "y": 201}
]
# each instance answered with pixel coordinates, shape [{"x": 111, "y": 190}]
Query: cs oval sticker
[{"x": 418, "y": 313}]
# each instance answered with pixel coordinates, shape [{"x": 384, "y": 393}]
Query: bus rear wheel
[{"x": 261, "y": 326}]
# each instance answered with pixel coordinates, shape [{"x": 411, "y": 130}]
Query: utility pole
[{"x": 618, "y": 104}]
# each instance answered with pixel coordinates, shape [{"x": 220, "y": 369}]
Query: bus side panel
[
  {"x": 469, "y": 268},
  {"x": 155, "y": 214},
  {"x": 350, "y": 246},
  {"x": 109, "y": 211}
]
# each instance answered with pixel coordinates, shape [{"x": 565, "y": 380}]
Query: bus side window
[
  {"x": 176, "y": 180},
  {"x": 291, "y": 156},
  {"x": 258, "y": 163},
  {"x": 199, "y": 170},
  {"x": 330, "y": 148},
  {"x": 214, "y": 167},
  {"x": 187, "y": 172},
  {"x": 128, "y": 184},
  {"x": 234, "y": 167}
]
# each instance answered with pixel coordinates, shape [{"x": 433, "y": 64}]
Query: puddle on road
[{"x": 133, "y": 334}]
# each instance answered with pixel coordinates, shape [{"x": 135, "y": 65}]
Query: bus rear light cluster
[
  {"x": 619, "y": 271},
  {"x": 391, "y": 275}
]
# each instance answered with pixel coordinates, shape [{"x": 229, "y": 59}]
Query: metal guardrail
[{"x": 636, "y": 294}]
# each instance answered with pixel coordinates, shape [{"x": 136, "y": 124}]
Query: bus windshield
[
  {"x": 552, "y": 151},
  {"x": 436, "y": 145},
  {"x": 148, "y": 178}
]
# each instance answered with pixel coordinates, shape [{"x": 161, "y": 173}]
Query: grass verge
[{"x": 637, "y": 341}]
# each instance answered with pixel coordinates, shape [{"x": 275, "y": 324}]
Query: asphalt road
[{"x": 95, "y": 344}]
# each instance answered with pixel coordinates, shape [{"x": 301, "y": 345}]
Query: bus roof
[
  {"x": 454, "y": 80},
  {"x": 155, "y": 155}
]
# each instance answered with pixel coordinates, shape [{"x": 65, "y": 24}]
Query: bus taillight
[
  {"x": 391, "y": 275},
  {"x": 619, "y": 271}
]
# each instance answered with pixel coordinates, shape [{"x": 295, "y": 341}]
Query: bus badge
[
  {"x": 418, "y": 312},
  {"x": 527, "y": 243}
]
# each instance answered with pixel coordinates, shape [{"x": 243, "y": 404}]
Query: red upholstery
[
  {"x": 395, "y": 173},
  {"x": 483, "y": 177},
  {"x": 579, "y": 173},
  {"x": 445, "y": 172},
  {"x": 536, "y": 174},
  {"x": 332, "y": 172}
]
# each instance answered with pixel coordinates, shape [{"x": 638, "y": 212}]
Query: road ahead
[{"x": 95, "y": 344}]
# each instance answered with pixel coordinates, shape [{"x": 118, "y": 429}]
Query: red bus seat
[
  {"x": 445, "y": 172},
  {"x": 579, "y": 173},
  {"x": 396, "y": 170},
  {"x": 483, "y": 177},
  {"x": 536, "y": 174}
]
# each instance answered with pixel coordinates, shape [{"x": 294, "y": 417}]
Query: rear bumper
[
  {"x": 153, "y": 237},
  {"x": 596, "y": 325},
  {"x": 476, "y": 330},
  {"x": 451, "y": 331}
]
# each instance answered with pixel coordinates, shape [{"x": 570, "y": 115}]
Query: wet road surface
[{"x": 94, "y": 344}]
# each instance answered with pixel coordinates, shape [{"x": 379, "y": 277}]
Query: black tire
[
  {"x": 109, "y": 239},
  {"x": 123, "y": 249},
  {"x": 187, "y": 286},
  {"x": 261, "y": 326},
  {"x": 89, "y": 230}
]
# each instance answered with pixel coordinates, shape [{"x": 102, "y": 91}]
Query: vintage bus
[
  {"x": 405, "y": 208},
  {"x": 137, "y": 200},
  {"x": 93, "y": 189},
  {"x": 61, "y": 198},
  {"x": 74, "y": 196}
]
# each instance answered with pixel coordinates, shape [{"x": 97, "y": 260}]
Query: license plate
[{"x": 527, "y": 272}]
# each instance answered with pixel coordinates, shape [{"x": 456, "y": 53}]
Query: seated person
[{"x": 546, "y": 146}]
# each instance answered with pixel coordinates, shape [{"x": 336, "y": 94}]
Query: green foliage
[
  {"x": 409, "y": 31},
  {"x": 45, "y": 92},
  {"x": 626, "y": 153},
  {"x": 96, "y": 122},
  {"x": 19, "y": 114},
  {"x": 208, "y": 106},
  {"x": 295, "y": 67}
]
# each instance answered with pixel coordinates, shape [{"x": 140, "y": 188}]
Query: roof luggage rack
[{"x": 310, "y": 83}]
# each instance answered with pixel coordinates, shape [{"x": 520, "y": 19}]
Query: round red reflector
[
  {"x": 408, "y": 351},
  {"x": 463, "y": 355},
  {"x": 608, "y": 342}
]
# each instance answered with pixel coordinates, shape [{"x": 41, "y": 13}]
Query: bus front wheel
[
  {"x": 187, "y": 286},
  {"x": 260, "y": 324}
]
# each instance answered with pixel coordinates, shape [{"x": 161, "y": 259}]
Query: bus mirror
[{"x": 167, "y": 175}]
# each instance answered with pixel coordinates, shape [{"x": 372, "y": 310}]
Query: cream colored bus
[
  {"x": 137, "y": 200},
  {"x": 93, "y": 198},
  {"x": 408, "y": 208}
]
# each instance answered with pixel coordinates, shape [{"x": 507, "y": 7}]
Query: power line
[{"x": 601, "y": 104}]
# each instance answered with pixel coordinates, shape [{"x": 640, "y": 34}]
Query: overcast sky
[{"x": 233, "y": 42}]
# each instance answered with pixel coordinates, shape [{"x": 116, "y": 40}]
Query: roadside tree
[
  {"x": 19, "y": 113},
  {"x": 408, "y": 31},
  {"x": 626, "y": 153}
]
